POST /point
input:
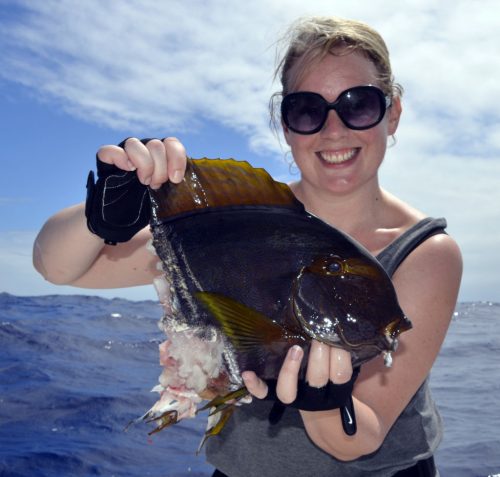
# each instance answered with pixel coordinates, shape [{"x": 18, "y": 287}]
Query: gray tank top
[{"x": 249, "y": 446}]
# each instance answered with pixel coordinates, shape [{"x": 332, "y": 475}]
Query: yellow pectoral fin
[{"x": 246, "y": 328}]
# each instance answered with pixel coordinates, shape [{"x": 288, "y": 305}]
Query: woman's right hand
[
  {"x": 66, "y": 252},
  {"x": 156, "y": 162},
  {"x": 118, "y": 204}
]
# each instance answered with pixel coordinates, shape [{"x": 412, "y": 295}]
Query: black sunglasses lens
[
  {"x": 304, "y": 112},
  {"x": 361, "y": 108}
]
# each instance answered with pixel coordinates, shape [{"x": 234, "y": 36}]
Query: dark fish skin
[{"x": 228, "y": 229}]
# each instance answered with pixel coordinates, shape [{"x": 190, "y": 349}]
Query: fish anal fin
[
  {"x": 220, "y": 421},
  {"x": 245, "y": 327}
]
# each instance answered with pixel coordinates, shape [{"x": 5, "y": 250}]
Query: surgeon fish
[{"x": 247, "y": 272}]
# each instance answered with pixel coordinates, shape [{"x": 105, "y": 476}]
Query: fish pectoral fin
[{"x": 246, "y": 328}]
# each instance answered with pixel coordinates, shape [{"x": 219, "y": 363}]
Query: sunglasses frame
[{"x": 385, "y": 103}]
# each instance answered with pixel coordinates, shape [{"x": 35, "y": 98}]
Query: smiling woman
[{"x": 338, "y": 152}]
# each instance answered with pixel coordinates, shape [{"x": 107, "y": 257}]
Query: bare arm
[
  {"x": 427, "y": 285},
  {"x": 66, "y": 252}
]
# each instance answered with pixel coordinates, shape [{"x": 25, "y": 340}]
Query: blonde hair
[{"x": 311, "y": 39}]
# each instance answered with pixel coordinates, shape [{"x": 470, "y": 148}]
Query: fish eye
[{"x": 334, "y": 267}]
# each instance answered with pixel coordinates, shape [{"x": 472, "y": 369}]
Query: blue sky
[{"x": 77, "y": 75}]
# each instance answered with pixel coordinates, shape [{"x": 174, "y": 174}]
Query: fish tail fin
[{"x": 246, "y": 328}]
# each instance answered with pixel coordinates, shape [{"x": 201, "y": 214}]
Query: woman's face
[{"x": 337, "y": 159}]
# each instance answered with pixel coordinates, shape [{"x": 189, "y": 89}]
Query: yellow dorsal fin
[
  {"x": 219, "y": 183},
  {"x": 246, "y": 328}
]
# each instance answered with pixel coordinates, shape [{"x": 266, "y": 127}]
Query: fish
[{"x": 245, "y": 272}]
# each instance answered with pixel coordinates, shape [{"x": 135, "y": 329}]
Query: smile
[{"x": 338, "y": 157}]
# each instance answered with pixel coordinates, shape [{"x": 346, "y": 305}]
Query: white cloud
[
  {"x": 168, "y": 66},
  {"x": 147, "y": 64}
]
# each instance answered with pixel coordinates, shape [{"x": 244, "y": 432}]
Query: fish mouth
[{"x": 397, "y": 326}]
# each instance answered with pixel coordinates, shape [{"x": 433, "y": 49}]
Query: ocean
[{"x": 74, "y": 370}]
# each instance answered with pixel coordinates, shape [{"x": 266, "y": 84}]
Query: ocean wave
[{"x": 76, "y": 369}]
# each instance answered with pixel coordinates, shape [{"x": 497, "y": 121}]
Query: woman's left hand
[{"x": 325, "y": 364}]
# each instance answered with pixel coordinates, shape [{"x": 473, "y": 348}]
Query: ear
[{"x": 394, "y": 114}]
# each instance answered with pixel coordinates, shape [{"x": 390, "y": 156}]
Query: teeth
[{"x": 337, "y": 157}]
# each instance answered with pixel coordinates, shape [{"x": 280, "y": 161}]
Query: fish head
[{"x": 349, "y": 303}]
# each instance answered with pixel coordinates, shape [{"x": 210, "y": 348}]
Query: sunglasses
[{"x": 361, "y": 107}]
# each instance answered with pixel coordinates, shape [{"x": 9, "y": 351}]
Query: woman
[{"x": 339, "y": 106}]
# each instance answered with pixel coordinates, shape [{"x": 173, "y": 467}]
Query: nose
[{"x": 333, "y": 125}]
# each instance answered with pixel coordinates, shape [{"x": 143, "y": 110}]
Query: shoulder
[
  {"x": 437, "y": 258},
  {"x": 427, "y": 284},
  {"x": 439, "y": 250}
]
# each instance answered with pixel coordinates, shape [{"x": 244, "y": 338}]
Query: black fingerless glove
[
  {"x": 117, "y": 205},
  {"x": 331, "y": 396}
]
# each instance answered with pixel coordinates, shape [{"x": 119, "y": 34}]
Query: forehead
[{"x": 336, "y": 73}]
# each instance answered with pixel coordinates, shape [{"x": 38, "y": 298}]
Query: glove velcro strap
[{"x": 117, "y": 205}]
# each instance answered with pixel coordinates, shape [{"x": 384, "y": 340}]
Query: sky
[{"x": 77, "y": 75}]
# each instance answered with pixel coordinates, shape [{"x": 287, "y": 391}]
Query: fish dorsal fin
[
  {"x": 210, "y": 183},
  {"x": 246, "y": 328}
]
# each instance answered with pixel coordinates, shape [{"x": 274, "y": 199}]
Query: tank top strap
[{"x": 392, "y": 256}]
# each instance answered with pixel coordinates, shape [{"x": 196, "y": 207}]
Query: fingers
[
  {"x": 318, "y": 366},
  {"x": 117, "y": 156},
  {"x": 176, "y": 161},
  {"x": 140, "y": 156},
  {"x": 286, "y": 387},
  {"x": 156, "y": 162},
  {"x": 156, "y": 170},
  {"x": 327, "y": 363},
  {"x": 340, "y": 366},
  {"x": 256, "y": 387}
]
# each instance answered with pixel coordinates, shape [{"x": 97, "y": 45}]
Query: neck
[{"x": 354, "y": 213}]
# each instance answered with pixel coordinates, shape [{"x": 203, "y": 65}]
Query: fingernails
[
  {"x": 338, "y": 355},
  {"x": 177, "y": 176},
  {"x": 320, "y": 349},
  {"x": 295, "y": 353},
  {"x": 341, "y": 361}
]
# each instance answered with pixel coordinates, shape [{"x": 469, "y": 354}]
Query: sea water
[{"x": 74, "y": 370}]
